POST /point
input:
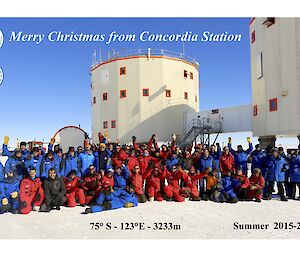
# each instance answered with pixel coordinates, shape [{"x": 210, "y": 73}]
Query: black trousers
[
  {"x": 242, "y": 193},
  {"x": 293, "y": 189},
  {"x": 279, "y": 186}
]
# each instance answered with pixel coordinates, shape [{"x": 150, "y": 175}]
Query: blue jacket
[
  {"x": 112, "y": 198},
  {"x": 1, "y": 172},
  {"x": 101, "y": 159},
  {"x": 34, "y": 162},
  {"x": 294, "y": 169},
  {"x": 85, "y": 161},
  {"x": 258, "y": 159},
  {"x": 71, "y": 163},
  {"x": 274, "y": 169},
  {"x": 15, "y": 164},
  {"x": 171, "y": 162},
  {"x": 120, "y": 180},
  {"x": 204, "y": 163},
  {"x": 7, "y": 187},
  {"x": 129, "y": 197},
  {"x": 241, "y": 157},
  {"x": 6, "y": 152},
  {"x": 227, "y": 186},
  {"x": 47, "y": 164},
  {"x": 216, "y": 157}
]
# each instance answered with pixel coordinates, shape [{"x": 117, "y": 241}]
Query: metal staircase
[{"x": 201, "y": 127}]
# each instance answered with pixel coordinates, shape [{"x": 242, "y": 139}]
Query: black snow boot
[
  {"x": 88, "y": 210},
  {"x": 283, "y": 198},
  {"x": 258, "y": 200},
  {"x": 168, "y": 199}
]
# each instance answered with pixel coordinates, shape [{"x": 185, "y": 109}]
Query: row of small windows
[
  {"x": 185, "y": 73},
  {"x": 273, "y": 106},
  {"x": 145, "y": 93},
  {"x": 113, "y": 124}
]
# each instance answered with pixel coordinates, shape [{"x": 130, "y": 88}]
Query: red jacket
[
  {"x": 173, "y": 178},
  {"x": 133, "y": 161},
  {"x": 29, "y": 187},
  {"x": 245, "y": 183},
  {"x": 257, "y": 181},
  {"x": 191, "y": 181},
  {"x": 153, "y": 180},
  {"x": 107, "y": 181},
  {"x": 226, "y": 163},
  {"x": 92, "y": 182},
  {"x": 72, "y": 185},
  {"x": 138, "y": 182}
]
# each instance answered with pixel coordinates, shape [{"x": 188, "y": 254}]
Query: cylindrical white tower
[{"x": 142, "y": 92}]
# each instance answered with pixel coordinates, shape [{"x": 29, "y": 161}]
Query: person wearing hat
[
  {"x": 16, "y": 163},
  {"x": 91, "y": 185},
  {"x": 102, "y": 158},
  {"x": 227, "y": 193},
  {"x": 49, "y": 162},
  {"x": 31, "y": 193},
  {"x": 128, "y": 196},
  {"x": 74, "y": 190},
  {"x": 121, "y": 175},
  {"x": 257, "y": 184},
  {"x": 9, "y": 193},
  {"x": 86, "y": 158},
  {"x": 241, "y": 155},
  {"x": 34, "y": 161},
  {"x": 240, "y": 184},
  {"x": 275, "y": 169},
  {"x": 54, "y": 190},
  {"x": 71, "y": 162}
]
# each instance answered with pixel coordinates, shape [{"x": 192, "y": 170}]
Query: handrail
[{"x": 112, "y": 55}]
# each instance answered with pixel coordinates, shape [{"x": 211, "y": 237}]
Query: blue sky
[{"x": 47, "y": 86}]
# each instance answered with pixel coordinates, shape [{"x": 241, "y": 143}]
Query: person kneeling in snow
[
  {"x": 31, "y": 193},
  {"x": 227, "y": 193},
  {"x": 9, "y": 193},
  {"x": 74, "y": 191},
  {"x": 257, "y": 183},
  {"x": 55, "y": 190},
  {"x": 240, "y": 185},
  {"x": 213, "y": 186}
]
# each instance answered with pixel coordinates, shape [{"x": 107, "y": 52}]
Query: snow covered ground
[{"x": 197, "y": 220}]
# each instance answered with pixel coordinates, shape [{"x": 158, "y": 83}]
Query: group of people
[{"x": 111, "y": 176}]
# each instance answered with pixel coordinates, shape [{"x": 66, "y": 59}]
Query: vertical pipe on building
[{"x": 149, "y": 53}]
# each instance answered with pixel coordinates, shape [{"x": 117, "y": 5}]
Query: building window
[
  {"x": 104, "y": 96},
  {"x": 186, "y": 95},
  {"x": 168, "y": 93},
  {"x": 259, "y": 65},
  {"x": 122, "y": 93},
  {"x": 123, "y": 71},
  {"x": 253, "y": 37},
  {"x": 145, "y": 92},
  {"x": 196, "y": 100},
  {"x": 269, "y": 21},
  {"x": 255, "y": 110},
  {"x": 185, "y": 73},
  {"x": 94, "y": 99},
  {"x": 113, "y": 124},
  {"x": 191, "y": 75},
  {"x": 105, "y": 124},
  {"x": 273, "y": 105}
]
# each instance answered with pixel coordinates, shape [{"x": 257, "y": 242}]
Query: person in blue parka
[
  {"x": 216, "y": 155},
  {"x": 128, "y": 197},
  {"x": 294, "y": 173},
  {"x": 241, "y": 155},
  {"x": 71, "y": 162},
  {"x": 227, "y": 193},
  {"x": 23, "y": 147},
  {"x": 102, "y": 157},
  {"x": 9, "y": 194},
  {"x": 121, "y": 175},
  {"x": 86, "y": 158},
  {"x": 172, "y": 160},
  {"x": 275, "y": 169},
  {"x": 16, "y": 164},
  {"x": 34, "y": 161},
  {"x": 258, "y": 157},
  {"x": 49, "y": 162}
]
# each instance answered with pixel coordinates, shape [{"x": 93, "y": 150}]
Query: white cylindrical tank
[
  {"x": 275, "y": 74},
  {"x": 143, "y": 92},
  {"x": 70, "y": 136}
]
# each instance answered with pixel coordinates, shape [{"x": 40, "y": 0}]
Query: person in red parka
[
  {"x": 226, "y": 161},
  {"x": 172, "y": 190},
  {"x": 154, "y": 175},
  {"x": 107, "y": 180},
  {"x": 240, "y": 185},
  {"x": 137, "y": 179},
  {"x": 257, "y": 183},
  {"x": 132, "y": 161},
  {"x": 91, "y": 184},
  {"x": 74, "y": 190},
  {"x": 191, "y": 190},
  {"x": 31, "y": 193}
]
